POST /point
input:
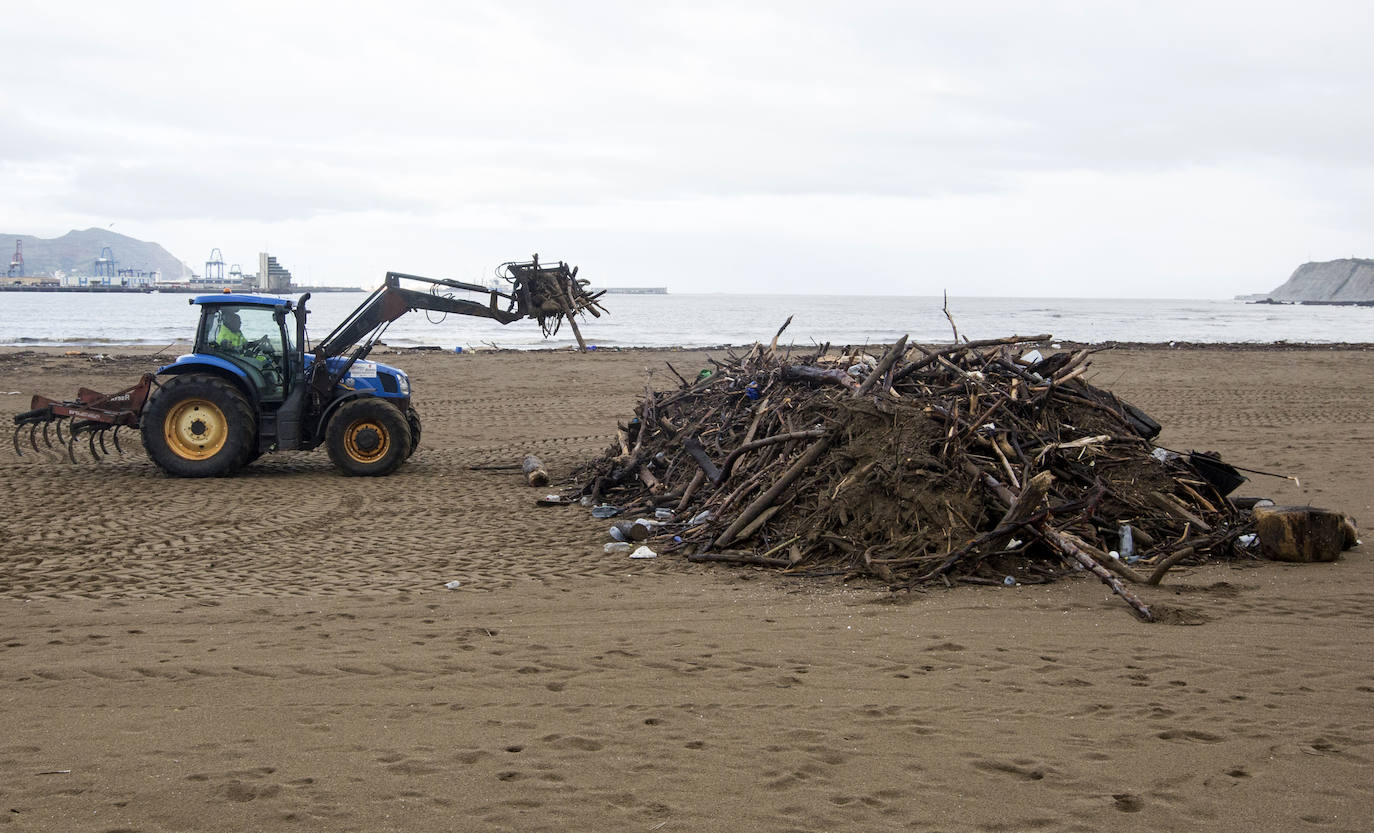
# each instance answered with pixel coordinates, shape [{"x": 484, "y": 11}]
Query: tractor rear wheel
[
  {"x": 198, "y": 425},
  {"x": 368, "y": 437},
  {"x": 413, "y": 420}
]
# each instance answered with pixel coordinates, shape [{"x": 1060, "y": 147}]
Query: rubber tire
[
  {"x": 240, "y": 426},
  {"x": 382, "y": 417},
  {"x": 413, "y": 420}
]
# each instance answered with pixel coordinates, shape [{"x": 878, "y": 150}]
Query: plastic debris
[
  {"x": 644, "y": 552},
  {"x": 453, "y": 585},
  {"x": 616, "y": 547}
]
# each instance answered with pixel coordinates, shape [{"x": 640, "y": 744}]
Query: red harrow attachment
[{"x": 91, "y": 412}]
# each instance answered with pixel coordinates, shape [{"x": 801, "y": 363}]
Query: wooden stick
[
  {"x": 1057, "y": 539},
  {"x": 698, "y": 452},
  {"x": 730, "y": 459},
  {"x": 950, "y": 318},
  {"x": 820, "y": 376},
  {"x": 762, "y": 502},
  {"x": 757, "y": 524},
  {"x": 739, "y": 558},
  {"x": 697, "y": 480},
  {"x": 1164, "y": 566},
  {"x": 773, "y": 346},
  {"x": 568, "y": 311},
  {"x": 1023, "y": 506},
  {"x": 1006, "y": 464},
  {"x": 1064, "y": 545},
  {"x": 889, "y": 358},
  {"x": 1116, "y": 565},
  {"x": 1176, "y": 509}
]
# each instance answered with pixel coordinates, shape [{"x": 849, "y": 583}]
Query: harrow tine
[
  {"x": 103, "y": 449},
  {"x": 46, "y": 439},
  {"x": 17, "y": 429},
  {"x": 114, "y": 437},
  {"x": 71, "y": 443},
  {"x": 59, "y": 430},
  {"x": 33, "y": 436},
  {"x": 90, "y": 441}
]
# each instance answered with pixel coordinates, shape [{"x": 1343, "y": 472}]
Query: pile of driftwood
[
  {"x": 552, "y": 293},
  {"x": 981, "y": 462}
]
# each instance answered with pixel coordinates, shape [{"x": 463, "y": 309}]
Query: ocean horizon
[{"x": 705, "y": 320}]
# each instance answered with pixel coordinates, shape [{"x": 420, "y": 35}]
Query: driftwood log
[
  {"x": 1300, "y": 533},
  {"x": 534, "y": 471}
]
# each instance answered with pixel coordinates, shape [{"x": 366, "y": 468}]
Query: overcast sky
[{"x": 1042, "y": 149}]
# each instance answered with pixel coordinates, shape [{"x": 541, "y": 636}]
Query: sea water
[{"x": 115, "y": 320}]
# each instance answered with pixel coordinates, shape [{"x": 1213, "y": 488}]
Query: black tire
[
  {"x": 368, "y": 438},
  {"x": 198, "y": 425},
  {"x": 413, "y": 420}
]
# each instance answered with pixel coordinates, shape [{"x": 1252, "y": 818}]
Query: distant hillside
[
  {"x": 1350, "y": 280},
  {"x": 76, "y": 251}
]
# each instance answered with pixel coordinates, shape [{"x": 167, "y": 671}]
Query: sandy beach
[{"x": 278, "y": 651}]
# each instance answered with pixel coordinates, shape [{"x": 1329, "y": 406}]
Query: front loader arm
[
  {"x": 547, "y": 293},
  {"x": 391, "y": 301}
]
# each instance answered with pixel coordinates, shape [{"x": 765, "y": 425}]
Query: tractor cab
[{"x": 250, "y": 332}]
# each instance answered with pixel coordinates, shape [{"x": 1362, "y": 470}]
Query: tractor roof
[{"x": 235, "y": 298}]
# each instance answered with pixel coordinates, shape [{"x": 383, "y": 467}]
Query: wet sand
[{"x": 278, "y": 651}]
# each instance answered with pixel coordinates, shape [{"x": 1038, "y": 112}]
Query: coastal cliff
[{"x": 1346, "y": 281}]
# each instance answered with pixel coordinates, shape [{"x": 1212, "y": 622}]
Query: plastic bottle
[
  {"x": 663, "y": 514},
  {"x": 1127, "y": 544},
  {"x": 616, "y": 547}
]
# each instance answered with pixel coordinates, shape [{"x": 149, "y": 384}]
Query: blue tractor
[{"x": 251, "y": 384}]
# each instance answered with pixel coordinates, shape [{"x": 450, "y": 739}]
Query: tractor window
[{"x": 250, "y": 337}]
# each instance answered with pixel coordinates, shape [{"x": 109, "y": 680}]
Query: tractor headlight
[{"x": 404, "y": 382}]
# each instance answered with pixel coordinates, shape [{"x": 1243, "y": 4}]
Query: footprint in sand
[{"x": 1189, "y": 735}]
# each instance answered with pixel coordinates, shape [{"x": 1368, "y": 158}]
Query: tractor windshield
[{"x": 253, "y": 339}]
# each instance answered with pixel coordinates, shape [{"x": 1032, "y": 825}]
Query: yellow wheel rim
[
  {"x": 367, "y": 441},
  {"x": 195, "y": 429}
]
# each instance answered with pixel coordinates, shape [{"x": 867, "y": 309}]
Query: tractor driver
[{"x": 230, "y": 335}]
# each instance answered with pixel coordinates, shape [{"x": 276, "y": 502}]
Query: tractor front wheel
[
  {"x": 198, "y": 425},
  {"x": 368, "y": 438},
  {"x": 413, "y": 420}
]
